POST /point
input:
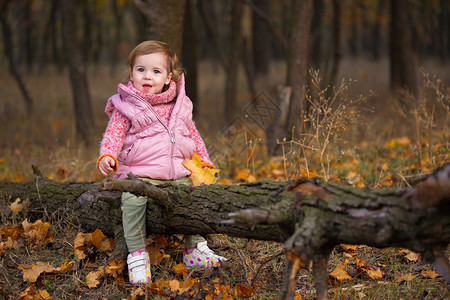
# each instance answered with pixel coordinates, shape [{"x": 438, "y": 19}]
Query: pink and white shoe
[
  {"x": 139, "y": 270},
  {"x": 201, "y": 257}
]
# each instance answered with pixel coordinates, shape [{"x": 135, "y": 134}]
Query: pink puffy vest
[{"x": 150, "y": 148}]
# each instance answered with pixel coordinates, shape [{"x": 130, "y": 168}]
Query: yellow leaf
[
  {"x": 340, "y": 274},
  {"x": 243, "y": 291},
  {"x": 401, "y": 141},
  {"x": 180, "y": 269},
  {"x": 174, "y": 285},
  {"x": 31, "y": 273},
  {"x": 16, "y": 207},
  {"x": 412, "y": 256},
  {"x": 429, "y": 274},
  {"x": 348, "y": 248},
  {"x": 37, "y": 233},
  {"x": 45, "y": 295},
  {"x": 361, "y": 263},
  {"x": 407, "y": 277},
  {"x": 92, "y": 277},
  {"x": 78, "y": 246},
  {"x": 199, "y": 175},
  {"x": 298, "y": 296},
  {"x": 375, "y": 274}
]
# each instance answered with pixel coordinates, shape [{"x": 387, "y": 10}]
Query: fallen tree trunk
[{"x": 309, "y": 217}]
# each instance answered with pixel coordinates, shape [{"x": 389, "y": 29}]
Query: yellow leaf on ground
[
  {"x": 16, "y": 206},
  {"x": 180, "y": 269},
  {"x": 407, "y": 277},
  {"x": 45, "y": 295},
  {"x": 31, "y": 273},
  {"x": 412, "y": 256},
  {"x": 92, "y": 277},
  {"x": 199, "y": 175},
  {"x": 340, "y": 274},
  {"x": 96, "y": 238},
  {"x": 37, "y": 233},
  {"x": 401, "y": 141},
  {"x": 375, "y": 274},
  {"x": 243, "y": 291},
  {"x": 430, "y": 274},
  {"x": 348, "y": 248}
]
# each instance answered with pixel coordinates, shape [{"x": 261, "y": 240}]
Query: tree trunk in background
[
  {"x": 117, "y": 8},
  {"x": 189, "y": 55},
  {"x": 297, "y": 62},
  {"x": 316, "y": 34},
  {"x": 354, "y": 37},
  {"x": 402, "y": 57},
  {"x": 78, "y": 73},
  {"x": 25, "y": 26},
  {"x": 8, "y": 48},
  {"x": 376, "y": 36},
  {"x": 444, "y": 30},
  {"x": 50, "y": 37},
  {"x": 165, "y": 20},
  {"x": 261, "y": 45},
  {"x": 231, "y": 103},
  {"x": 336, "y": 46}
]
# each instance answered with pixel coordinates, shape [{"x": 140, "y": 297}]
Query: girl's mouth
[{"x": 146, "y": 87}]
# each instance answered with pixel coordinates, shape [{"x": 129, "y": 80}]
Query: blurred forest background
[{"x": 308, "y": 82}]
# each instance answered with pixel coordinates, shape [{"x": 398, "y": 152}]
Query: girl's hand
[{"x": 107, "y": 165}]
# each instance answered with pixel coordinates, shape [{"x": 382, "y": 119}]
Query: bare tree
[
  {"x": 78, "y": 72},
  {"x": 402, "y": 56},
  {"x": 165, "y": 19},
  {"x": 8, "y": 48},
  {"x": 297, "y": 62}
]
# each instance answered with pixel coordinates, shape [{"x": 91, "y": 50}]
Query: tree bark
[
  {"x": 232, "y": 71},
  {"x": 297, "y": 63},
  {"x": 402, "y": 57},
  {"x": 165, "y": 21},
  {"x": 78, "y": 73},
  {"x": 309, "y": 217},
  {"x": 8, "y": 48}
]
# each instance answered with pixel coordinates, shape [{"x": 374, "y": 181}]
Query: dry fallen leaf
[
  {"x": 32, "y": 272},
  {"x": 16, "y": 206},
  {"x": 340, "y": 274},
  {"x": 199, "y": 175},
  {"x": 36, "y": 233},
  {"x": 407, "y": 277},
  {"x": 96, "y": 238},
  {"x": 375, "y": 274},
  {"x": 243, "y": 291},
  {"x": 180, "y": 270},
  {"x": 429, "y": 274},
  {"x": 92, "y": 277}
]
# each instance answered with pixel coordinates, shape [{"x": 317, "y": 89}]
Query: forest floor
[{"x": 367, "y": 139}]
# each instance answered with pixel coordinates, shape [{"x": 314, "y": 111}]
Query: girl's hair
[{"x": 149, "y": 47}]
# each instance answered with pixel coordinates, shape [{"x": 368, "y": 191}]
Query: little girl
[{"x": 150, "y": 132}]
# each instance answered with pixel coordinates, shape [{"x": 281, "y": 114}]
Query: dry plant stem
[{"x": 187, "y": 277}]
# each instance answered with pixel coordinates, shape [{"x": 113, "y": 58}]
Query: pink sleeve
[
  {"x": 200, "y": 146},
  {"x": 114, "y": 135}
]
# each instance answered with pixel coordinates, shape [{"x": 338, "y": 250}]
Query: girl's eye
[
  {"x": 140, "y": 69},
  {"x": 157, "y": 71}
]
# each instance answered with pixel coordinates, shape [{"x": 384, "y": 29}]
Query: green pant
[{"x": 133, "y": 217}]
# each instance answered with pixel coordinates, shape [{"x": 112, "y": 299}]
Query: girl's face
[{"x": 150, "y": 74}]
